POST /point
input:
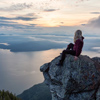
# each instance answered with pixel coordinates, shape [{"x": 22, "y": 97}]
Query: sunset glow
[{"x": 49, "y": 13}]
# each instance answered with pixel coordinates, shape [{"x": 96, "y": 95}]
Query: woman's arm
[{"x": 75, "y": 58}]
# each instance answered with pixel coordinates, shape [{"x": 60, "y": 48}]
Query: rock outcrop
[{"x": 75, "y": 80}]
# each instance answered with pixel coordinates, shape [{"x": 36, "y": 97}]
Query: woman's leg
[
  {"x": 70, "y": 46},
  {"x": 72, "y": 52}
]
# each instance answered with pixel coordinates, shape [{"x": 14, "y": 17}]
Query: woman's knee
[
  {"x": 71, "y": 44},
  {"x": 64, "y": 51}
]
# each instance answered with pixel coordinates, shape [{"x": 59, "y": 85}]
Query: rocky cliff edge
[{"x": 75, "y": 80}]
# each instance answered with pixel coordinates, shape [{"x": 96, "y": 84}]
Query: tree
[{"x": 6, "y": 95}]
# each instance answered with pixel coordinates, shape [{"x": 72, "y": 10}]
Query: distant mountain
[{"x": 37, "y": 92}]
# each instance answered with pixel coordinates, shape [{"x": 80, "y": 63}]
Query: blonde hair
[{"x": 77, "y": 35}]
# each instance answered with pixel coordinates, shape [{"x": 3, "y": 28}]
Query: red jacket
[{"x": 78, "y": 46}]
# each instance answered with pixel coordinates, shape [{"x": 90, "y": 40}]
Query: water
[{"x": 20, "y": 71}]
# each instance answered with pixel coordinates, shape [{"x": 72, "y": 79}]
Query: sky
[
  {"x": 49, "y": 16},
  {"x": 30, "y": 29}
]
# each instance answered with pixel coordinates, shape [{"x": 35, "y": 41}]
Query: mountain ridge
[{"x": 37, "y": 92}]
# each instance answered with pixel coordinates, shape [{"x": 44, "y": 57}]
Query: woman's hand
[{"x": 75, "y": 58}]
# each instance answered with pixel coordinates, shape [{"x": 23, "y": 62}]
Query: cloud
[
  {"x": 17, "y": 26},
  {"x": 79, "y": 1},
  {"x": 83, "y": 24},
  {"x": 4, "y": 21},
  {"x": 50, "y": 10},
  {"x": 5, "y": 44},
  {"x": 30, "y": 14},
  {"x": 27, "y": 46},
  {"x": 95, "y": 22},
  {"x": 2, "y": 34},
  {"x": 50, "y": 38},
  {"x": 62, "y": 22},
  {"x": 24, "y": 18},
  {"x": 97, "y": 49},
  {"x": 16, "y": 7},
  {"x": 95, "y": 12},
  {"x": 33, "y": 5},
  {"x": 18, "y": 18}
]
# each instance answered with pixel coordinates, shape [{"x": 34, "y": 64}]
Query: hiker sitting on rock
[{"x": 73, "y": 49}]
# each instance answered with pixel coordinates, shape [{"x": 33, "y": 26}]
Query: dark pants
[{"x": 69, "y": 50}]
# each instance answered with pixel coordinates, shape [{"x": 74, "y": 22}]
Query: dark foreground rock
[{"x": 75, "y": 80}]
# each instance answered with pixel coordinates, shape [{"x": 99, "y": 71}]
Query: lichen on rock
[{"x": 75, "y": 80}]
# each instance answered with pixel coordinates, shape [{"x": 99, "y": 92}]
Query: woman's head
[{"x": 77, "y": 35}]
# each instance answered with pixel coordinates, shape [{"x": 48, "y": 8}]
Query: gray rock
[
  {"x": 75, "y": 80},
  {"x": 44, "y": 67},
  {"x": 96, "y": 59}
]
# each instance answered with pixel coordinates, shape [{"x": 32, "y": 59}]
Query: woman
[{"x": 73, "y": 49}]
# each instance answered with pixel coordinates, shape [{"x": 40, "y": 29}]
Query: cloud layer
[
  {"x": 50, "y": 10},
  {"x": 15, "y": 25},
  {"x": 18, "y": 18},
  {"x": 95, "y": 12},
  {"x": 95, "y": 22},
  {"x": 17, "y": 7}
]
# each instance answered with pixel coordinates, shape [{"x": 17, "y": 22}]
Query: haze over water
[{"x": 20, "y": 67}]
